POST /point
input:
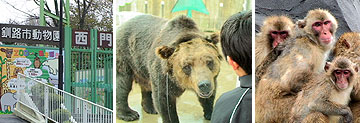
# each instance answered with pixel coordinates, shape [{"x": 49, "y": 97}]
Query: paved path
[{"x": 9, "y": 118}]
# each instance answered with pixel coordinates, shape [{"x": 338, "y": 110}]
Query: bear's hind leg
[
  {"x": 124, "y": 84},
  {"x": 146, "y": 101},
  {"x": 207, "y": 104}
]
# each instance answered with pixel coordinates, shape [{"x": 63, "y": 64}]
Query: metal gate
[{"x": 88, "y": 70}]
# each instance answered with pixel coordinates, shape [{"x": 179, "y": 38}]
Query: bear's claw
[
  {"x": 129, "y": 116},
  {"x": 207, "y": 116},
  {"x": 150, "y": 110}
]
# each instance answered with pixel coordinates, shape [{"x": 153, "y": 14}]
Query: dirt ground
[{"x": 188, "y": 106}]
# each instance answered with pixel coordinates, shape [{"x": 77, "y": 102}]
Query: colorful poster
[{"x": 37, "y": 63}]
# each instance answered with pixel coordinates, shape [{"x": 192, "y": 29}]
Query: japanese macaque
[
  {"x": 278, "y": 87},
  {"x": 327, "y": 93},
  {"x": 275, "y": 30},
  {"x": 348, "y": 46}
]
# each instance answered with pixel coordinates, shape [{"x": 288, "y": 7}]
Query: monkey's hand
[{"x": 347, "y": 114}]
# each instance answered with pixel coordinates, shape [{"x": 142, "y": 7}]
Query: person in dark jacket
[{"x": 235, "y": 106}]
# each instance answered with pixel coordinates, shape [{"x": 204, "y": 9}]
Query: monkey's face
[
  {"x": 278, "y": 36},
  {"x": 342, "y": 78},
  {"x": 342, "y": 72},
  {"x": 321, "y": 26},
  {"x": 277, "y": 28},
  {"x": 322, "y": 31}
]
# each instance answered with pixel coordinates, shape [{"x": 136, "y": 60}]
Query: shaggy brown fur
[{"x": 166, "y": 57}]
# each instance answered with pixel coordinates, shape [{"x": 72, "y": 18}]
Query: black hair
[{"x": 236, "y": 39}]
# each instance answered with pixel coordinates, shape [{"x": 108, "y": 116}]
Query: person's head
[{"x": 236, "y": 41}]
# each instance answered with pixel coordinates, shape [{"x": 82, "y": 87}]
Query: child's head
[{"x": 236, "y": 40}]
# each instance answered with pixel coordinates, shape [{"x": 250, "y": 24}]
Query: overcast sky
[{"x": 7, "y": 12}]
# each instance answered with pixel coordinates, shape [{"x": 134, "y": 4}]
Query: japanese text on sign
[
  {"x": 105, "y": 39},
  {"x": 29, "y": 34}
]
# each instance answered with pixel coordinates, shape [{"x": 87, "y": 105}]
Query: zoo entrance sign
[
  {"x": 50, "y": 36},
  {"x": 29, "y": 34}
]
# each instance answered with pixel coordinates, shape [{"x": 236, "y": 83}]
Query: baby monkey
[{"x": 326, "y": 96}]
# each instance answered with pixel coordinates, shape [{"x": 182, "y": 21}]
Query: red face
[
  {"x": 278, "y": 37},
  {"x": 323, "y": 29},
  {"x": 342, "y": 78}
]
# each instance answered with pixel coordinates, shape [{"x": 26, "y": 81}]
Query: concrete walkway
[{"x": 9, "y": 118}]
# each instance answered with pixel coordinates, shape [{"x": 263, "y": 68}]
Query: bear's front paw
[
  {"x": 130, "y": 115},
  {"x": 207, "y": 116},
  {"x": 150, "y": 109}
]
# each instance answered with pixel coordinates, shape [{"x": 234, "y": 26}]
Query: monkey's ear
[
  {"x": 356, "y": 69},
  {"x": 327, "y": 66},
  {"x": 213, "y": 38},
  {"x": 300, "y": 24},
  {"x": 164, "y": 52},
  {"x": 347, "y": 45}
]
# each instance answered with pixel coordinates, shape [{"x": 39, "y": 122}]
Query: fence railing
[{"x": 57, "y": 105}]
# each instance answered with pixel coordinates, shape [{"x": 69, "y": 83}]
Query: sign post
[{"x": 61, "y": 68}]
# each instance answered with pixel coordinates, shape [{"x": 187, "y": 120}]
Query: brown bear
[{"x": 165, "y": 57}]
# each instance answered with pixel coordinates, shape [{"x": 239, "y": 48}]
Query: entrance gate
[{"x": 89, "y": 65}]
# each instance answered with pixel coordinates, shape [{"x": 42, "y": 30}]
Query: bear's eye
[
  {"x": 210, "y": 64},
  {"x": 187, "y": 69}
]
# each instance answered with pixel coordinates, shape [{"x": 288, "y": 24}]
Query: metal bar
[
  {"x": 68, "y": 63},
  {"x": 80, "y": 50},
  {"x": 61, "y": 68},
  {"x": 56, "y": 89},
  {"x": 46, "y": 101},
  {"x": 55, "y": 17},
  {"x": 42, "y": 15},
  {"x": 93, "y": 65},
  {"x": 67, "y": 12}
]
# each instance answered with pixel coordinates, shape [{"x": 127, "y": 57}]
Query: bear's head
[{"x": 194, "y": 61}]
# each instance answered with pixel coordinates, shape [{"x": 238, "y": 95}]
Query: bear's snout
[{"x": 205, "y": 88}]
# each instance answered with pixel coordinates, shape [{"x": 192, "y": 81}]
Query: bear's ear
[
  {"x": 213, "y": 38},
  {"x": 164, "y": 52}
]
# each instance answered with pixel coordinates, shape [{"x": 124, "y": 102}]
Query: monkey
[
  {"x": 276, "y": 91},
  {"x": 274, "y": 31},
  {"x": 275, "y": 52},
  {"x": 327, "y": 93},
  {"x": 348, "y": 46}
]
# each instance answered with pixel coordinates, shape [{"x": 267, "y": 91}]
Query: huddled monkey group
[{"x": 294, "y": 81}]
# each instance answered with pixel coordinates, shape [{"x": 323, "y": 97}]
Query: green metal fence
[{"x": 90, "y": 69}]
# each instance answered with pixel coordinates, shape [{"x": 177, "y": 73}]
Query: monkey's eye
[
  {"x": 317, "y": 24},
  {"x": 187, "y": 69},
  {"x": 326, "y": 22},
  {"x": 274, "y": 32},
  {"x": 337, "y": 72},
  {"x": 346, "y": 72},
  {"x": 283, "y": 32}
]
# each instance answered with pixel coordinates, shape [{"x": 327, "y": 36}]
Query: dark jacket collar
[{"x": 245, "y": 81}]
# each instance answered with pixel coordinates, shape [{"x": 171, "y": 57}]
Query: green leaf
[{"x": 3, "y": 77}]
